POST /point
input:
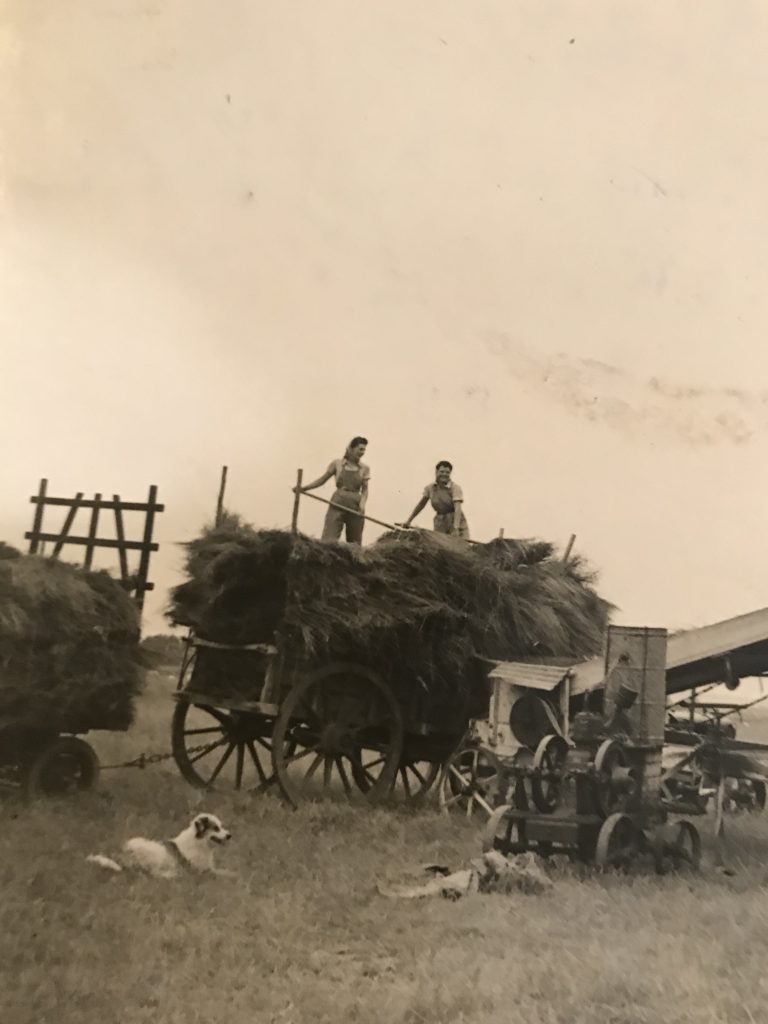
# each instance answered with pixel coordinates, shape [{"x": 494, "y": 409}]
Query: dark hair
[
  {"x": 356, "y": 441},
  {"x": 444, "y": 462}
]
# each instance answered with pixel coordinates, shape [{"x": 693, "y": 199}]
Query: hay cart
[
  {"x": 47, "y": 755},
  {"x": 594, "y": 794},
  {"x": 251, "y": 717}
]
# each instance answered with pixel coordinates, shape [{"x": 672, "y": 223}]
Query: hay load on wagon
[
  {"x": 70, "y": 659},
  {"x": 416, "y": 607}
]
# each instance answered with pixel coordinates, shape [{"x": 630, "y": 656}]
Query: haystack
[
  {"x": 69, "y": 646},
  {"x": 416, "y": 606}
]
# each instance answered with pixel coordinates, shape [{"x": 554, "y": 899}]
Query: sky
[{"x": 529, "y": 238}]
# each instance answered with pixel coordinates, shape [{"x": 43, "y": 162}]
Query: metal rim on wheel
[
  {"x": 675, "y": 846},
  {"x": 339, "y": 723},
  {"x": 63, "y": 766},
  {"x": 217, "y": 746},
  {"x": 470, "y": 782},
  {"x": 546, "y": 778},
  {"x": 616, "y": 785},
  {"x": 616, "y": 842}
]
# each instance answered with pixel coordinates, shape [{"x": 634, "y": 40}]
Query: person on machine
[
  {"x": 351, "y": 494},
  {"x": 447, "y": 500}
]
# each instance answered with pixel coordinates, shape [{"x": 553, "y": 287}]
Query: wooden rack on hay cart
[{"x": 50, "y": 758}]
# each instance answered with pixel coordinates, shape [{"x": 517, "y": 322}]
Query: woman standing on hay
[
  {"x": 351, "y": 493},
  {"x": 447, "y": 500}
]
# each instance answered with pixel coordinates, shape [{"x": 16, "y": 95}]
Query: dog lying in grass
[{"x": 191, "y": 851}]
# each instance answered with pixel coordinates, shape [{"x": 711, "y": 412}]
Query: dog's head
[{"x": 208, "y": 826}]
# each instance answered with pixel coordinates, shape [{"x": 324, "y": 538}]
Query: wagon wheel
[
  {"x": 339, "y": 722},
  {"x": 615, "y": 784},
  {"x": 470, "y": 782},
  {"x": 676, "y": 846},
  {"x": 413, "y": 780},
  {"x": 617, "y": 842},
  {"x": 547, "y": 777},
  {"x": 65, "y": 765},
  {"x": 213, "y": 744}
]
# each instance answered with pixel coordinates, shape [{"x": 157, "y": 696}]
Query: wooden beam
[
  {"x": 92, "y": 531},
  {"x": 296, "y": 500},
  {"x": 127, "y": 506},
  {"x": 37, "y": 524},
  {"x": 220, "y": 502},
  {"x": 129, "y": 545},
  {"x": 146, "y": 547},
  {"x": 120, "y": 531},
  {"x": 61, "y": 538}
]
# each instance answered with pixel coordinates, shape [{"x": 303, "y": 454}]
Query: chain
[{"x": 146, "y": 759}]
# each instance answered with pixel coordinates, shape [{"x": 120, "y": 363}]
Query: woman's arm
[
  {"x": 363, "y": 496},
  {"x": 422, "y": 502},
  {"x": 457, "y": 515},
  {"x": 320, "y": 480}
]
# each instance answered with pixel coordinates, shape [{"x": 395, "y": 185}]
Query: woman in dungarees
[
  {"x": 351, "y": 492},
  {"x": 447, "y": 501}
]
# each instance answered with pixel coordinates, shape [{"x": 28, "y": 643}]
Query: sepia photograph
[{"x": 383, "y": 637}]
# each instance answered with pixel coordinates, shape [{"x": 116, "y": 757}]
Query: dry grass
[{"x": 302, "y": 935}]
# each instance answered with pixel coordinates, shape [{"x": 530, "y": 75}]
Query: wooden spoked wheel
[
  {"x": 676, "y": 846},
  {"x": 64, "y": 766},
  {"x": 220, "y": 747},
  {"x": 470, "y": 783},
  {"x": 338, "y": 732},
  {"x": 413, "y": 780},
  {"x": 617, "y": 842},
  {"x": 547, "y": 777}
]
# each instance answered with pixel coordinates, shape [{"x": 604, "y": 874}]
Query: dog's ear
[{"x": 201, "y": 826}]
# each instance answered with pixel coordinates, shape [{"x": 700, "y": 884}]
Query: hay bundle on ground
[
  {"x": 415, "y": 606},
  {"x": 69, "y": 646}
]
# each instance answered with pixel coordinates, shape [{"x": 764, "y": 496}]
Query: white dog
[{"x": 191, "y": 851}]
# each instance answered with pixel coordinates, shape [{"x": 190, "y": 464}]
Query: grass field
[{"x": 303, "y": 936}]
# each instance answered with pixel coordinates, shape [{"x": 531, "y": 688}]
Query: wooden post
[
  {"x": 220, "y": 502},
  {"x": 569, "y": 548},
  {"x": 501, "y": 533},
  {"x": 37, "y": 525},
  {"x": 74, "y": 506},
  {"x": 146, "y": 548},
  {"x": 92, "y": 531},
  {"x": 120, "y": 534},
  {"x": 297, "y": 498}
]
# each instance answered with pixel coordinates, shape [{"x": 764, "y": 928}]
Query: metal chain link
[{"x": 146, "y": 759}]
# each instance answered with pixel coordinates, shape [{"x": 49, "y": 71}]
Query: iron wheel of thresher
[
  {"x": 216, "y": 745},
  {"x": 60, "y": 767},
  {"x": 615, "y": 785},
  {"x": 470, "y": 782},
  {"x": 617, "y": 842},
  {"x": 547, "y": 775},
  {"x": 676, "y": 845},
  {"x": 339, "y": 725}
]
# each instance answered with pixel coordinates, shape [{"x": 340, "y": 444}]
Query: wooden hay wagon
[
  {"x": 250, "y": 716},
  {"x": 70, "y": 661},
  {"x": 328, "y": 669}
]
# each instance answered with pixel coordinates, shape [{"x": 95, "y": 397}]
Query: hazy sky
[{"x": 530, "y": 238}]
